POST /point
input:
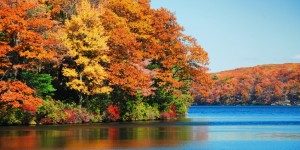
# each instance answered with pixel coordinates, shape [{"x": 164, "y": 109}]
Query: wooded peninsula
[
  {"x": 75, "y": 61},
  {"x": 81, "y": 61}
]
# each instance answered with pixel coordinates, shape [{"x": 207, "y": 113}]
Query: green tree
[{"x": 40, "y": 82}]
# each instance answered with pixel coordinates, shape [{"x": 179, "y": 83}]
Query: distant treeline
[{"x": 260, "y": 85}]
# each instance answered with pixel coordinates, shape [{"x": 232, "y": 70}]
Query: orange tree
[
  {"x": 178, "y": 61},
  {"x": 23, "y": 47},
  {"x": 151, "y": 56}
]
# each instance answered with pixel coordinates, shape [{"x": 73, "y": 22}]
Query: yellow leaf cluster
[
  {"x": 71, "y": 73},
  {"x": 86, "y": 43}
]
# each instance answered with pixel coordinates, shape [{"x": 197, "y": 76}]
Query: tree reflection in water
[{"x": 108, "y": 135}]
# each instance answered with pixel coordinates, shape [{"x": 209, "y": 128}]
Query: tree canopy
[{"x": 119, "y": 59}]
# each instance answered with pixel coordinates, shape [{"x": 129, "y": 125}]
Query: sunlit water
[{"x": 203, "y": 128}]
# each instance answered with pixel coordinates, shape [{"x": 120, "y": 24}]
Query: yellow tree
[{"x": 86, "y": 43}]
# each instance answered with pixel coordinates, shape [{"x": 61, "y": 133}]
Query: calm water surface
[{"x": 204, "y": 128}]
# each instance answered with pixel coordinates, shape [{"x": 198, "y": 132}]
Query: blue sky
[{"x": 241, "y": 33}]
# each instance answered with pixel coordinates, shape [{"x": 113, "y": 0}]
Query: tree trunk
[
  {"x": 39, "y": 68},
  {"x": 14, "y": 40},
  {"x": 80, "y": 100}
]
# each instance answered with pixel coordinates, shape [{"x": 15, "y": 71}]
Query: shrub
[
  {"x": 46, "y": 121},
  {"x": 10, "y": 116},
  {"x": 169, "y": 114},
  {"x": 140, "y": 111},
  {"x": 70, "y": 118},
  {"x": 113, "y": 112},
  {"x": 17, "y": 116},
  {"x": 57, "y": 112},
  {"x": 54, "y": 110},
  {"x": 98, "y": 104},
  {"x": 153, "y": 112},
  {"x": 165, "y": 115},
  {"x": 95, "y": 118},
  {"x": 179, "y": 104},
  {"x": 76, "y": 115}
]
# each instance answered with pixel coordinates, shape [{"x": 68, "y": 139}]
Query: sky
[{"x": 241, "y": 33}]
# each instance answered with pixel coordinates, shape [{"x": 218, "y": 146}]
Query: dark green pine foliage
[{"x": 41, "y": 83}]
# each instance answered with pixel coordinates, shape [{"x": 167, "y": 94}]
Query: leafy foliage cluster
[{"x": 120, "y": 60}]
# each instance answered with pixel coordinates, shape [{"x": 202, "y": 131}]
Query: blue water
[
  {"x": 242, "y": 111},
  {"x": 204, "y": 127},
  {"x": 245, "y": 115},
  {"x": 247, "y": 127}
]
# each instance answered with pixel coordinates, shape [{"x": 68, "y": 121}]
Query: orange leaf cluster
[
  {"x": 25, "y": 25},
  {"x": 138, "y": 34},
  {"x": 17, "y": 95}
]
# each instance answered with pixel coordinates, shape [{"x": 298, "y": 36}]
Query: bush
[
  {"x": 10, "y": 116},
  {"x": 95, "y": 118},
  {"x": 140, "y": 111},
  {"x": 51, "y": 112},
  {"x": 56, "y": 112},
  {"x": 153, "y": 112},
  {"x": 98, "y": 105},
  {"x": 76, "y": 115},
  {"x": 181, "y": 103},
  {"x": 165, "y": 115},
  {"x": 46, "y": 121},
  {"x": 16, "y": 116},
  {"x": 170, "y": 114},
  {"x": 113, "y": 112}
]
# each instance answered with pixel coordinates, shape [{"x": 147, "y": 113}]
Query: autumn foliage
[
  {"x": 24, "y": 42},
  {"x": 74, "y": 61},
  {"x": 260, "y": 85},
  {"x": 101, "y": 55},
  {"x": 86, "y": 43},
  {"x": 113, "y": 112},
  {"x": 18, "y": 95}
]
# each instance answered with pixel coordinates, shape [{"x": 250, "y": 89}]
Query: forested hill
[
  {"x": 93, "y": 60},
  {"x": 276, "y": 84}
]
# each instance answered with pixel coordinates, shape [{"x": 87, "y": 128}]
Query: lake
[{"x": 204, "y": 127}]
